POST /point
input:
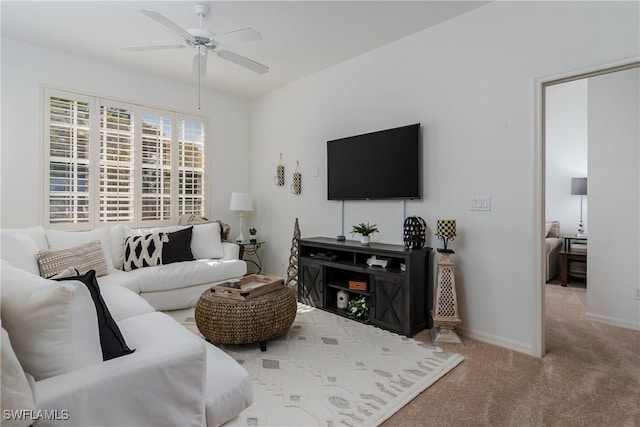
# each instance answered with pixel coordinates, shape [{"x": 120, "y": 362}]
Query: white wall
[
  {"x": 470, "y": 81},
  {"x": 566, "y": 153},
  {"x": 614, "y": 191},
  {"x": 26, "y": 68}
]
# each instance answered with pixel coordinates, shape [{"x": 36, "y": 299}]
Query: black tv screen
[{"x": 377, "y": 165}]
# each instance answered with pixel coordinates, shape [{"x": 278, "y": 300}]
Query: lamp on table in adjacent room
[
  {"x": 579, "y": 188},
  {"x": 240, "y": 202}
]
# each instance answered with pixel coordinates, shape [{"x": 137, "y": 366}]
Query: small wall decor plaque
[
  {"x": 296, "y": 187},
  {"x": 279, "y": 178}
]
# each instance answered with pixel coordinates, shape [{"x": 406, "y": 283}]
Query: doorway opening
[{"x": 585, "y": 154}]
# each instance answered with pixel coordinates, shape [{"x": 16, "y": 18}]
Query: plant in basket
[{"x": 358, "y": 308}]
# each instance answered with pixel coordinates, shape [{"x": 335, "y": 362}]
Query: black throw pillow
[
  {"x": 178, "y": 248},
  {"x": 111, "y": 339}
]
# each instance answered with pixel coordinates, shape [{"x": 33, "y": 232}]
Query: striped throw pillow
[{"x": 83, "y": 258}]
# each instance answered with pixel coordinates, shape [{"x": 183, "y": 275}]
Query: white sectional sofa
[
  {"x": 166, "y": 287},
  {"x": 52, "y": 335}
]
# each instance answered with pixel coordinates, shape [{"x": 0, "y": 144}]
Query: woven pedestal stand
[{"x": 445, "y": 313}]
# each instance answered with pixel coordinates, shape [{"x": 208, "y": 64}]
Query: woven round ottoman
[{"x": 229, "y": 321}]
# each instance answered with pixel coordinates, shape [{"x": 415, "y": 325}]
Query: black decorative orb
[{"x": 414, "y": 232}]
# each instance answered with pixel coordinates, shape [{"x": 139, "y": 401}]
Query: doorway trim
[{"x": 539, "y": 182}]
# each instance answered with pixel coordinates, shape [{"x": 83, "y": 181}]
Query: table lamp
[
  {"x": 240, "y": 202},
  {"x": 579, "y": 188}
]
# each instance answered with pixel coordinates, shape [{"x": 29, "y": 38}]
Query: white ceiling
[{"x": 299, "y": 37}]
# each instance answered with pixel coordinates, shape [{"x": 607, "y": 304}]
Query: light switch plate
[{"x": 481, "y": 203}]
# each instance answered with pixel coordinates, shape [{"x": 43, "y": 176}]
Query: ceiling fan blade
[
  {"x": 238, "y": 36},
  {"x": 166, "y": 22},
  {"x": 244, "y": 62},
  {"x": 200, "y": 65},
  {"x": 141, "y": 48}
]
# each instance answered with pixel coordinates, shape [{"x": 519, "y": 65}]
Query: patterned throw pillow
[
  {"x": 143, "y": 251},
  {"x": 89, "y": 256}
]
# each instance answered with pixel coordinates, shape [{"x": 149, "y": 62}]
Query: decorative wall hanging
[
  {"x": 279, "y": 178},
  {"x": 296, "y": 187},
  {"x": 292, "y": 271},
  {"x": 414, "y": 232}
]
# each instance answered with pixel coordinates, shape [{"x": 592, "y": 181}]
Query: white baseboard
[
  {"x": 612, "y": 321},
  {"x": 518, "y": 346}
]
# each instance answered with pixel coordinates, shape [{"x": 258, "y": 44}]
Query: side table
[
  {"x": 565, "y": 258},
  {"x": 251, "y": 249},
  {"x": 570, "y": 238}
]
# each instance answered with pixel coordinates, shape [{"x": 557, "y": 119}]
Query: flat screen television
[{"x": 375, "y": 166}]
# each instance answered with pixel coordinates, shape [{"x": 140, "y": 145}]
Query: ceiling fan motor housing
[{"x": 201, "y": 37}]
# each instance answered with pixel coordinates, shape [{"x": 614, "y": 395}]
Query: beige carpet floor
[{"x": 590, "y": 376}]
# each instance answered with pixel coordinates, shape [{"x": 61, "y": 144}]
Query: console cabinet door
[
  {"x": 389, "y": 307},
  {"x": 311, "y": 287}
]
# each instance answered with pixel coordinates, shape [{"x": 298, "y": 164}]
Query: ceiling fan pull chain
[{"x": 199, "y": 77}]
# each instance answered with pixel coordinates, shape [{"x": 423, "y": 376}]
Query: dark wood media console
[{"x": 399, "y": 294}]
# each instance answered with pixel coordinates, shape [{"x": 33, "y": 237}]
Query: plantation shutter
[
  {"x": 191, "y": 167},
  {"x": 112, "y": 162},
  {"x": 156, "y": 167},
  {"x": 116, "y": 164},
  {"x": 68, "y": 154}
]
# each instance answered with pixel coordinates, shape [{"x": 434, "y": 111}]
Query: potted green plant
[
  {"x": 358, "y": 308},
  {"x": 253, "y": 235},
  {"x": 366, "y": 230}
]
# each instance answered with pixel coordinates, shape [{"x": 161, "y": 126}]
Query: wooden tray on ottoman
[{"x": 250, "y": 286}]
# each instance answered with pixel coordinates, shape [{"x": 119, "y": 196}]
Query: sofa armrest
[
  {"x": 163, "y": 383},
  {"x": 230, "y": 250}
]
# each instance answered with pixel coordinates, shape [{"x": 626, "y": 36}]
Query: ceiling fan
[{"x": 203, "y": 41}]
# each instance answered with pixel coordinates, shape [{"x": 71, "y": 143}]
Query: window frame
[{"x": 95, "y": 104}]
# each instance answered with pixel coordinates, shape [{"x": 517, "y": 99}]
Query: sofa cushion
[
  {"x": 143, "y": 251},
  {"x": 229, "y": 389},
  {"x": 117, "y": 245},
  {"x": 53, "y": 325},
  {"x": 206, "y": 242},
  {"x": 122, "y": 302},
  {"x": 17, "y": 387},
  {"x": 59, "y": 239},
  {"x": 185, "y": 274},
  {"x": 111, "y": 339},
  {"x": 20, "y": 246},
  {"x": 83, "y": 258},
  {"x": 161, "y": 384},
  {"x": 120, "y": 278},
  {"x": 178, "y": 248}
]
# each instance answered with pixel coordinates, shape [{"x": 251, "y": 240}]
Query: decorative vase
[
  {"x": 365, "y": 240},
  {"x": 342, "y": 299}
]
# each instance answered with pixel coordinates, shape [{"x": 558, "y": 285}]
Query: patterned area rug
[{"x": 332, "y": 371}]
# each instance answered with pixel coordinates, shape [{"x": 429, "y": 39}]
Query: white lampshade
[{"x": 240, "y": 202}]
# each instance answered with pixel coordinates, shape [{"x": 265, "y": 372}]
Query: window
[{"x": 110, "y": 162}]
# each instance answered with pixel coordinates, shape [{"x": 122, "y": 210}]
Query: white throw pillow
[
  {"x": 53, "y": 325},
  {"x": 117, "y": 245},
  {"x": 68, "y": 239},
  {"x": 17, "y": 386},
  {"x": 206, "y": 242},
  {"x": 20, "y": 245}
]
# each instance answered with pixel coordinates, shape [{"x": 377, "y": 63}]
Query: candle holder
[{"x": 445, "y": 313}]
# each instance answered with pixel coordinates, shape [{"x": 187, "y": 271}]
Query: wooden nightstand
[{"x": 567, "y": 257}]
